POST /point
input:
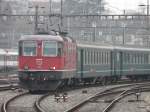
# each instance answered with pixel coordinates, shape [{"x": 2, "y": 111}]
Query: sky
[
  {"x": 120, "y": 4},
  {"x": 126, "y": 4}
]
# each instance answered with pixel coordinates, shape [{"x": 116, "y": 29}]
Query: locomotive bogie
[{"x": 43, "y": 80}]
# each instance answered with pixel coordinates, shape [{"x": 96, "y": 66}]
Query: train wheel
[
  {"x": 114, "y": 79},
  {"x": 32, "y": 91},
  {"x": 104, "y": 81},
  {"x": 75, "y": 82}
]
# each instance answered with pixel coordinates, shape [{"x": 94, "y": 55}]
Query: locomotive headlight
[
  {"x": 26, "y": 67},
  {"x": 52, "y": 68}
]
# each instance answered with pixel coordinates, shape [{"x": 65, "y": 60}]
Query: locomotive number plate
[{"x": 39, "y": 63}]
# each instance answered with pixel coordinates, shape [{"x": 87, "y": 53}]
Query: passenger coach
[{"x": 105, "y": 64}]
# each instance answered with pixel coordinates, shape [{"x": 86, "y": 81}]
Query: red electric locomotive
[{"x": 46, "y": 61}]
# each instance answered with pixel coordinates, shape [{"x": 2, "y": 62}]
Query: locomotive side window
[
  {"x": 49, "y": 48},
  {"x": 20, "y": 48},
  {"x": 29, "y": 48},
  {"x": 60, "y": 46}
]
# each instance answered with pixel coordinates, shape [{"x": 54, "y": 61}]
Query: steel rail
[
  {"x": 105, "y": 92},
  {"x": 8, "y": 87},
  {"x": 99, "y": 94},
  {"x": 5, "y": 104},
  {"x": 122, "y": 95}
]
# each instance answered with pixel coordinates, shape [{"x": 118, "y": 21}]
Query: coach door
[
  {"x": 80, "y": 63},
  {"x": 118, "y": 66}
]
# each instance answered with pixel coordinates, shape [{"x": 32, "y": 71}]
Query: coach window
[
  {"x": 108, "y": 58},
  {"x": 148, "y": 58},
  {"x": 127, "y": 58},
  {"x": 49, "y": 48},
  {"x": 137, "y": 58},
  {"x": 91, "y": 57},
  {"x": 87, "y": 57},
  {"x": 135, "y": 55},
  {"x": 84, "y": 56},
  {"x": 100, "y": 57},
  {"x": 79, "y": 60},
  {"x": 90, "y": 62},
  {"x": 97, "y": 57},
  {"x": 140, "y": 60},
  {"x": 104, "y": 57},
  {"x": 145, "y": 58},
  {"x": 29, "y": 48},
  {"x": 124, "y": 58},
  {"x": 94, "y": 55}
]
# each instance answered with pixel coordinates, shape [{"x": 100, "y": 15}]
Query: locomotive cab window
[
  {"x": 29, "y": 48},
  {"x": 49, "y": 48}
]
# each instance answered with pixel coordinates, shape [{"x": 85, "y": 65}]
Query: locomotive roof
[{"x": 46, "y": 37}]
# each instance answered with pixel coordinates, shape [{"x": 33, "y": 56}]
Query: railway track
[
  {"x": 8, "y": 78},
  {"x": 117, "y": 92},
  {"x": 23, "y": 101},
  {"x": 114, "y": 100},
  {"x": 123, "y": 95},
  {"x": 8, "y": 87},
  {"x": 5, "y": 105}
]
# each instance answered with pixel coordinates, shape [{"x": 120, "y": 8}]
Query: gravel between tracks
[
  {"x": 5, "y": 95},
  {"x": 74, "y": 97},
  {"x": 129, "y": 104},
  {"x": 23, "y": 103}
]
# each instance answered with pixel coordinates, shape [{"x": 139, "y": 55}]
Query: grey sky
[
  {"x": 119, "y": 4},
  {"x": 126, "y": 4}
]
